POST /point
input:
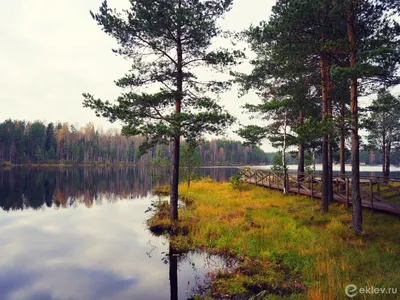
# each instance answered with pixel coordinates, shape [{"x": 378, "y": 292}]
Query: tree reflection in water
[
  {"x": 173, "y": 273},
  {"x": 204, "y": 268},
  {"x": 37, "y": 188}
]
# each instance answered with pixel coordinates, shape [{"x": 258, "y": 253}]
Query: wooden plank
[
  {"x": 368, "y": 194},
  {"x": 312, "y": 185},
  {"x": 371, "y": 189},
  {"x": 392, "y": 196},
  {"x": 347, "y": 192}
]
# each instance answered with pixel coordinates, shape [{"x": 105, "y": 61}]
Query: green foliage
[
  {"x": 39, "y": 154},
  {"x": 253, "y": 134},
  {"x": 237, "y": 182},
  {"x": 36, "y": 139},
  {"x": 383, "y": 122},
  {"x": 51, "y": 140},
  {"x": 51, "y": 154},
  {"x": 160, "y": 165},
  {"x": 278, "y": 163},
  {"x": 309, "y": 162},
  {"x": 288, "y": 48},
  {"x": 189, "y": 163},
  {"x": 177, "y": 36},
  {"x": 86, "y": 145}
]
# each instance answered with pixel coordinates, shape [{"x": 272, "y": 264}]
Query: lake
[{"x": 80, "y": 233}]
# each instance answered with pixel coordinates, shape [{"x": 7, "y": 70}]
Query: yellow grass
[{"x": 284, "y": 244}]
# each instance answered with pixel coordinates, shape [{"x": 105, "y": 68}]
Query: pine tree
[
  {"x": 166, "y": 41},
  {"x": 51, "y": 140},
  {"x": 383, "y": 125},
  {"x": 190, "y": 163}
]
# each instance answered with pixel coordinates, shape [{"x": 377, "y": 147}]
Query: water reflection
[
  {"x": 35, "y": 188},
  {"x": 218, "y": 173},
  {"x": 22, "y": 188},
  {"x": 101, "y": 253},
  {"x": 173, "y": 273},
  {"x": 105, "y": 252},
  {"x": 204, "y": 268}
]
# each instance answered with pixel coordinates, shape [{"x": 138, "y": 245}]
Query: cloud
[
  {"x": 81, "y": 253},
  {"x": 52, "y": 52}
]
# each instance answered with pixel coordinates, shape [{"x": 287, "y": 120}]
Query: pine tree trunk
[
  {"x": 325, "y": 167},
  {"x": 355, "y": 143},
  {"x": 330, "y": 114},
  {"x": 284, "y": 156},
  {"x": 342, "y": 145},
  {"x": 189, "y": 175},
  {"x": 383, "y": 154},
  {"x": 300, "y": 167},
  {"x": 387, "y": 161},
  {"x": 175, "y": 181},
  {"x": 177, "y": 139},
  {"x": 343, "y": 140}
]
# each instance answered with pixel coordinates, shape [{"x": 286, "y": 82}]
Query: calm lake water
[{"x": 78, "y": 233}]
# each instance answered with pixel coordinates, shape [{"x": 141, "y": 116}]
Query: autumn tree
[{"x": 166, "y": 42}]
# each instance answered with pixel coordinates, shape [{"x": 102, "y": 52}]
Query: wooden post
[
  {"x": 278, "y": 180},
  {"x": 347, "y": 192},
  {"x": 298, "y": 183},
  {"x": 269, "y": 179},
  {"x": 379, "y": 188},
  {"x": 371, "y": 190},
  {"x": 338, "y": 185},
  {"x": 286, "y": 183},
  {"x": 312, "y": 186}
]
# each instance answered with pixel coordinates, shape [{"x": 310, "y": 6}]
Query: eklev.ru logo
[{"x": 352, "y": 290}]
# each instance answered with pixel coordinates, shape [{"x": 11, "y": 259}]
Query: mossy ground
[{"x": 284, "y": 244}]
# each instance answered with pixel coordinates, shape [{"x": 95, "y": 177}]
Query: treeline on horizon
[{"x": 23, "y": 142}]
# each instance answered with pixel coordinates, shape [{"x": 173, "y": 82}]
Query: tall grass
[{"x": 286, "y": 247}]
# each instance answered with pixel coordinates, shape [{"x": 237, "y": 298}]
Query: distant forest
[{"x": 24, "y": 142}]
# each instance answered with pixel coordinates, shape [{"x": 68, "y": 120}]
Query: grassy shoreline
[{"x": 286, "y": 248}]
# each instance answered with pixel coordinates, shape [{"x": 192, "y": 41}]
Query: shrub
[{"x": 237, "y": 183}]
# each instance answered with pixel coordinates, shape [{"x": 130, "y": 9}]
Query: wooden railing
[{"x": 376, "y": 192}]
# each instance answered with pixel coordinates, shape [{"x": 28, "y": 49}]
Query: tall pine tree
[{"x": 166, "y": 42}]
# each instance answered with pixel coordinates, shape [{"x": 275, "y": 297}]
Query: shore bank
[{"x": 284, "y": 245}]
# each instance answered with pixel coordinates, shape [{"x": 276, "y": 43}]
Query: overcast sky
[{"x": 52, "y": 51}]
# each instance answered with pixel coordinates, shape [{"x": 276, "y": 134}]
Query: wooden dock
[{"x": 376, "y": 192}]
